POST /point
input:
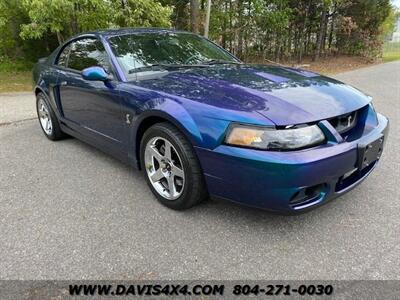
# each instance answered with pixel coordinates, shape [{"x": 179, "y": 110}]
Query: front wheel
[{"x": 171, "y": 168}]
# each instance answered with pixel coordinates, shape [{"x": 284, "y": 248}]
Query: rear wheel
[
  {"x": 47, "y": 119},
  {"x": 171, "y": 168}
]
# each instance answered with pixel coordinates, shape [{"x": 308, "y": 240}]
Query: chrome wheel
[
  {"x": 44, "y": 117},
  {"x": 164, "y": 168}
]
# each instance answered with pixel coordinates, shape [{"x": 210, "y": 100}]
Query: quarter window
[{"x": 63, "y": 57}]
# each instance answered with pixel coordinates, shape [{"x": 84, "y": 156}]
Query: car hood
[{"x": 285, "y": 96}]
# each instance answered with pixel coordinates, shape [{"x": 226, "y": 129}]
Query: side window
[
  {"x": 88, "y": 53},
  {"x": 63, "y": 57}
]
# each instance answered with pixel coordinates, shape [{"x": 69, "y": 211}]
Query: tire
[
  {"x": 188, "y": 187},
  {"x": 44, "y": 111}
]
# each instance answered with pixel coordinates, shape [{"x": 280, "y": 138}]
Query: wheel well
[
  {"x": 37, "y": 91},
  {"x": 144, "y": 125}
]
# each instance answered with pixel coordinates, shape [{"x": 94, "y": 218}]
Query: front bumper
[{"x": 277, "y": 180}]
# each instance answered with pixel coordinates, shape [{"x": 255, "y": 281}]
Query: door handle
[{"x": 63, "y": 83}]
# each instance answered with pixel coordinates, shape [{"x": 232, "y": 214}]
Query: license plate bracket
[{"x": 369, "y": 153}]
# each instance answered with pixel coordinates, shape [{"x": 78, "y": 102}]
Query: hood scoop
[{"x": 272, "y": 77}]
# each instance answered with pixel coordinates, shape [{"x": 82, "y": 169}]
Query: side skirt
[{"x": 119, "y": 155}]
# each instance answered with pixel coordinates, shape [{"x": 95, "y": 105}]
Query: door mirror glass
[{"x": 95, "y": 74}]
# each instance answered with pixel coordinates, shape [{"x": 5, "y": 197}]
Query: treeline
[
  {"x": 293, "y": 29},
  {"x": 251, "y": 29}
]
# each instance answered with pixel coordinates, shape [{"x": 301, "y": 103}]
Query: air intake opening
[{"x": 308, "y": 194}]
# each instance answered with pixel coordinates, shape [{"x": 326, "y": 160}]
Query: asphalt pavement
[{"x": 68, "y": 211}]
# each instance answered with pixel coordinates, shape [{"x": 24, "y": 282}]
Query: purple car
[{"x": 198, "y": 122}]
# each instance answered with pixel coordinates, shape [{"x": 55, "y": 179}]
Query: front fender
[
  {"x": 170, "y": 111},
  {"x": 173, "y": 112}
]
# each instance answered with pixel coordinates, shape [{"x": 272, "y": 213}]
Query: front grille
[
  {"x": 352, "y": 126},
  {"x": 344, "y": 123}
]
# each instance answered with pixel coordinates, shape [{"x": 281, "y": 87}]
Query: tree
[
  {"x": 12, "y": 15},
  {"x": 143, "y": 13},
  {"x": 69, "y": 17},
  {"x": 360, "y": 29},
  {"x": 64, "y": 18}
]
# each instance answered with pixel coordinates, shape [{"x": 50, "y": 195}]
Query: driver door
[{"x": 91, "y": 107}]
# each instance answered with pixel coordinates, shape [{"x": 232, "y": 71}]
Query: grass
[
  {"x": 391, "y": 51},
  {"x": 19, "y": 81},
  {"x": 15, "y": 76}
]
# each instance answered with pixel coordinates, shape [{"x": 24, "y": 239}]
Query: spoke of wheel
[
  {"x": 41, "y": 111},
  {"x": 154, "y": 152},
  {"x": 47, "y": 124},
  {"x": 157, "y": 176},
  {"x": 168, "y": 150},
  {"x": 177, "y": 171},
  {"x": 171, "y": 185}
]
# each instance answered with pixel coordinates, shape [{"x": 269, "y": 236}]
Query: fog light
[{"x": 308, "y": 194}]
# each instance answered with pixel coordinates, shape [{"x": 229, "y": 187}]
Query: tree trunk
[
  {"x": 289, "y": 42},
  {"x": 302, "y": 31},
  {"x": 325, "y": 34},
  {"x": 239, "y": 30},
  {"x": 207, "y": 22},
  {"x": 15, "y": 34},
  {"x": 332, "y": 26},
  {"x": 180, "y": 15},
  {"x": 59, "y": 38},
  {"x": 321, "y": 35},
  {"x": 194, "y": 16},
  {"x": 224, "y": 25}
]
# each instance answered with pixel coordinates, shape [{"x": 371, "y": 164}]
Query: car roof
[
  {"x": 122, "y": 31},
  {"x": 115, "y": 32}
]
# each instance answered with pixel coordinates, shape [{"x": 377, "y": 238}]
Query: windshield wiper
[{"x": 165, "y": 66}]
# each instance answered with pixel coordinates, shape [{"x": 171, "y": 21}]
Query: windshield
[{"x": 152, "y": 52}]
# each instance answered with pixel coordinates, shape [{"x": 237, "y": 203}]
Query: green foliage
[
  {"x": 8, "y": 66},
  {"x": 69, "y": 17},
  {"x": 11, "y": 15},
  {"x": 32, "y": 28},
  {"x": 388, "y": 25},
  {"x": 143, "y": 13},
  {"x": 361, "y": 29}
]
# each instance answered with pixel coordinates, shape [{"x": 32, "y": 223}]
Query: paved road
[{"x": 67, "y": 211}]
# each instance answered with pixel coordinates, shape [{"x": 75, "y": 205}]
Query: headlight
[{"x": 274, "y": 139}]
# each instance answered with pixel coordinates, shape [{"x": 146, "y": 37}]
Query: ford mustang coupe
[{"x": 198, "y": 122}]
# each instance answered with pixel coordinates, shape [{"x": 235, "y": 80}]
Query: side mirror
[{"x": 95, "y": 74}]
